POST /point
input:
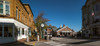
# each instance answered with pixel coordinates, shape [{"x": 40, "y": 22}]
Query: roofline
[
  {"x": 23, "y": 5},
  {"x": 29, "y": 7},
  {"x": 60, "y": 29}
]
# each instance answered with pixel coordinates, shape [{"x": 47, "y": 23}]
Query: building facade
[
  {"x": 91, "y": 18},
  {"x": 16, "y": 21},
  {"x": 65, "y": 31}
]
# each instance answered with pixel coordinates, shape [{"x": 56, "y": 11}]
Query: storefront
[{"x": 12, "y": 30}]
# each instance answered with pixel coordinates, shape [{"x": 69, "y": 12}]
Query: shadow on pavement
[
  {"x": 78, "y": 42},
  {"x": 82, "y": 42},
  {"x": 15, "y": 44}
]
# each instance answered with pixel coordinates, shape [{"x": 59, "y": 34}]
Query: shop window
[
  {"x": 8, "y": 31},
  {"x": 18, "y": 31},
  {"x": 23, "y": 31},
  {"x": 0, "y": 30}
]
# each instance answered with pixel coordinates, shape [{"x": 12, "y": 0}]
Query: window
[
  {"x": 95, "y": 31},
  {"x": 7, "y": 30},
  {"x": 97, "y": 7},
  {"x": 19, "y": 14},
  {"x": 22, "y": 17},
  {"x": 18, "y": 31},
  {"x": 16, "y": 13},
  {"x": 1, "y": 7},
  {"x": 4, "y": 8},
  {"x": 0, "y": 30},
  {"x": 96, "y": 19},
  {"x": 23, "y": 31},
  {"x": 26, "y": 20},
  {"x": 7, "y": 8},
  {"x": 29, "y": 18},
  {"x": 26, "y": 33}
]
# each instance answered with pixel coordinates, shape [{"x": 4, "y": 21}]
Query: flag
[{"x": 92, "y": 13}]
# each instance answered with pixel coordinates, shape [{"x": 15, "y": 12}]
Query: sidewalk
[
  {"x": 18, "y": 43},
  {"x": 15, "y": 44}
]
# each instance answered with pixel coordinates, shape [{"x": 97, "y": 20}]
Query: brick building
[
  {"x": 16, "y": 20},
  {"x": 91, "y": 18}
]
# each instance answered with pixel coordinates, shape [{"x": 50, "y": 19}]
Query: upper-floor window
[
  {"x": 16, "y": 13},
  {"x": 26, "y": 20},
  {"x": 7, "y": 8},
  {"x": 29, "y": 18},
  {"x": 4, "y": 8},
  {"x": 22, "y": 17},
  {"x": 97, "y": 7},
  {"x": 19, "y": 14},
  {"x": 1, "y": 7}
]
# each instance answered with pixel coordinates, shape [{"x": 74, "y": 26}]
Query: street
[{"x": 59, "y": 41}]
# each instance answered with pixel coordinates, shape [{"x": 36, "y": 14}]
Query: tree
[
  {"x": 54, "y": 28},
  {"x": 39, "y": 20}
]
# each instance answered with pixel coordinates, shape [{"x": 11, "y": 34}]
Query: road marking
[
  {"x": 34, "y": 43},
  {"x": 55, "y": 43}
]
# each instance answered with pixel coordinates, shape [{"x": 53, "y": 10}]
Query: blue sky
[{"x": 66, "y": 12}]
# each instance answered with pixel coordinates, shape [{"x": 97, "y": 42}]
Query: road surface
[{"x": 63, "y": 41}]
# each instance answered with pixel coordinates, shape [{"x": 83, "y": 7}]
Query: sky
[{"x": 60, "y": 12}]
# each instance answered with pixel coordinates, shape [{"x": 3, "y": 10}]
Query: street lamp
[{"x": 42, "y": 25}]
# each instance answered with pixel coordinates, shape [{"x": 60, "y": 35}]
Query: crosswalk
[{"x": 52, "y": 43}]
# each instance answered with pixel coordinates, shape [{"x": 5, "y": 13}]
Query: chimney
[
  {"x": 63, "y": 25},
  {"x": 60, "y": 26}
]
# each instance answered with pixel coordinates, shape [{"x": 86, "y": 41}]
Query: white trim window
[
  {"x": 7, "y": 8},
  {"x": 4, "y": 8},
  {"x": 22, "y": 17},
  {"x": 1, "y": 7},
  {"x": 16, "y": 13},
  {"x": 19, "y": 14},
  {"x": 8, "y": 30}
]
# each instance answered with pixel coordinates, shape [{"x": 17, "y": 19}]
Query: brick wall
[{"x": 25, "y": 13}]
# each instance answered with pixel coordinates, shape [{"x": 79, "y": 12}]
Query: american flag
[{"x": 92, "y": 13}]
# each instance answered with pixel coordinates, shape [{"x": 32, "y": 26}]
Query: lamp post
[{"x": 42, "y": 25}]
